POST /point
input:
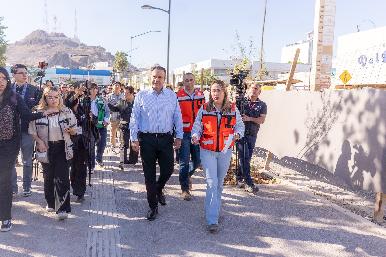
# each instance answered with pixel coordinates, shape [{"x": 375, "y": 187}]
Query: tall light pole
[
  {"x": 132, "y": 37},
  {"x": 149, "y": 7},
  {"x": 261, "y": 75}
]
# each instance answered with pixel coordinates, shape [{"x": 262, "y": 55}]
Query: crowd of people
[{"x": 65, "y": 128}]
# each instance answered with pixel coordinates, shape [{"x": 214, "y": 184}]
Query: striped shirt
[{"x": 155, "y": 113}]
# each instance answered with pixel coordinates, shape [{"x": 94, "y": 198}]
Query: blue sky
[{"x": 199, "y": 29}]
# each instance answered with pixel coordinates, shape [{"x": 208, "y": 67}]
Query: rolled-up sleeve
[
  {"x": 239, "y": 127},
  {"x": 177, "y": 119},
  {"x": 133, "y": 126},
  {"x": 197, "y": 126}
]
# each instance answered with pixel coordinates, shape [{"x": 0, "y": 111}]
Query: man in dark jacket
[
  {"x": 124, "y": 107},
  {"x": 31, "y": 96}
]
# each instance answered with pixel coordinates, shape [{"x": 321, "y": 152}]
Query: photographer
[
  {"x": 254, "y": 114},
  {"x": 124, "y": 107},
  {"x": 84, "y": 142}
]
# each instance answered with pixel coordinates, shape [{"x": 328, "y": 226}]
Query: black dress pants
[
  {"x": 125, "y": 146},
  {"x": 8, "y": 154},
  {"x": 78, "y": 174},
  {"x": 156, "y": 147},
  {"x": 56, "y": 178}
]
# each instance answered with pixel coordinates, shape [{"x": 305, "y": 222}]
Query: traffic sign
[{"x": 345, "y": 77}]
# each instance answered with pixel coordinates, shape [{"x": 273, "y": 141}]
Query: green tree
[
  {"x": 120, "y": 62},
  {"x": 204, "y": 78},
  {"x": 3, "y": 43}
]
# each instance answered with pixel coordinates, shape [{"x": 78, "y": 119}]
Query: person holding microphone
[{"x": 218, "y": 124}]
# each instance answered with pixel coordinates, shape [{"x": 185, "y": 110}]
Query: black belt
[
  {"x": 155, "y": 134},
  {"x": 56, "y": 142}
]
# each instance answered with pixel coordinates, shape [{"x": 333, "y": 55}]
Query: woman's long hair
[
  {"x": 226, "y": 104},
  {"x": 43, "y": 105},
  {"x": 8, "y": 93}
]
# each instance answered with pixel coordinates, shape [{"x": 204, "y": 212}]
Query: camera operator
[
  {"x": 31, "y": 96},
  {"x": 84, "y": 141},
  {"x": 253, "y": 115},
  {"x": 124, "y": 107}
]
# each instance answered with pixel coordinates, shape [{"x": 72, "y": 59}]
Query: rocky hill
[{"x": 55, "y": 48}]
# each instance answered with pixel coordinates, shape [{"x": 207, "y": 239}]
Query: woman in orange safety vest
[{"x": 218, "y": 124}]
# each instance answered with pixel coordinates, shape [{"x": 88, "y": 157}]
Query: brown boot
[{"x": 186, "y": 195}]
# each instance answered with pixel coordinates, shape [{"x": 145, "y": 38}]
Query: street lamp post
[{"x": 149, "y": 7}]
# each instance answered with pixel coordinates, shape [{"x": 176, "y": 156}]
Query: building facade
[
  {"x": 221, "y": 69},
  {"x": 365, "y": 60}
]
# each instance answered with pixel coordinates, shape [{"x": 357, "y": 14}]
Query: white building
[
  {"x": 141, "y": 79},
  {"x": 222, "y": 68},
  {"x": 363, "y": 55}
]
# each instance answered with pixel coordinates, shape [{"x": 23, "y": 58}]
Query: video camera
[
  {"x": 41, "y": 73},
  {"x": 42, "y": 66},
  {"x": 237, "y": 80}
]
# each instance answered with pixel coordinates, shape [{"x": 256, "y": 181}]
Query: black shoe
[
  {"x": 121, "y": 166},
  {"x": 240, "y": 184},
  {"x": 6, "y": 225},
  {"x": 212, "y": 228},
  {"x": 251, "y": 189},
  {"x": 161, "y": 198},
  {"x": 131, "y": 162},
  {"x": 80, "y": 199},
  {"x": 100, "y": 163},
  {"x": 152, "y": 214}
]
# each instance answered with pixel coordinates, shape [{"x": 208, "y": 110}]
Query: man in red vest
[{"x": 190, "y": 100}]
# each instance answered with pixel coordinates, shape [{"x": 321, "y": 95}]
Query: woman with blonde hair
[
  {"x": 218, "y": 124},
  {"x": 54, "y": 146}
]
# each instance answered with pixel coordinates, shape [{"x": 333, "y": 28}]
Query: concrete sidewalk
[{"x": 280, "y": 221}]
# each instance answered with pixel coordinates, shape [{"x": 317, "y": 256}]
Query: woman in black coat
[{"x": 12, "y": 110}]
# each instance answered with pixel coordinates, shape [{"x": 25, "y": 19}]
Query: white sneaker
[
  {"x": 48, "y": 209},
  {"x": 6, "y": 225},
  {"x": 62, "y": 215}
]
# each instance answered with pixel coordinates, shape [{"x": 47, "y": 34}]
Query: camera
[
  {"x": 237, "y": 80},
  {"x": 41, "y": 73},
  {"x": 42, "y": 65}
]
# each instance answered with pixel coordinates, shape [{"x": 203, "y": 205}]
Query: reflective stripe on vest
[
  {"x": 189, "y": 107},
  {"x": 215, "y": 134}
]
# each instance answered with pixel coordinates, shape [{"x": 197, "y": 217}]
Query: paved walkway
[{"x": 280, "y": 221}]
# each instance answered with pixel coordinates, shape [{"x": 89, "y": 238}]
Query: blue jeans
[
  {"x": 245, "y": 148},
  {"x": 188, "y": 149},
  {"x": 27, "y": 147},
  {"x": 101, "y": 145},
  {"x": 216, "y": 165}
]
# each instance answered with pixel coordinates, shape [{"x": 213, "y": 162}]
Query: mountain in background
[{"x": 56, "y": 49}]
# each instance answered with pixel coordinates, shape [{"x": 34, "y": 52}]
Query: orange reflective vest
[
  {"x": 215, "y": 133},
  {"x": 189, "y": 107}
]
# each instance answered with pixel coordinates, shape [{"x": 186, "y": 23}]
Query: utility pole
[{"x": 261, "y": 59}]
